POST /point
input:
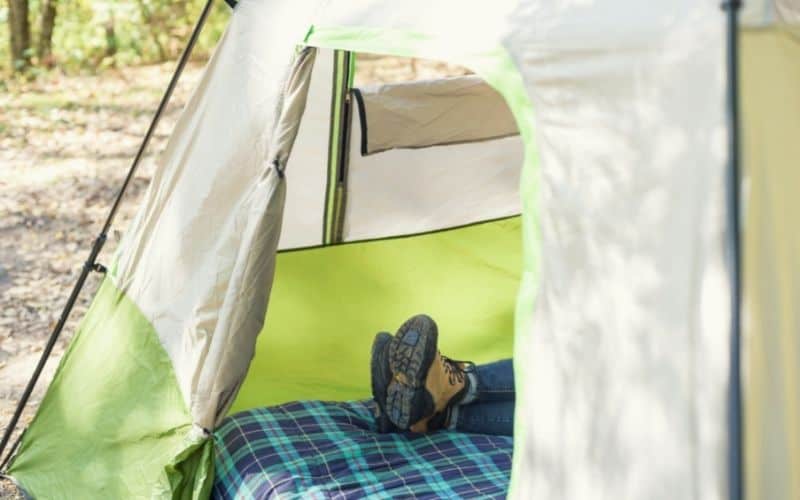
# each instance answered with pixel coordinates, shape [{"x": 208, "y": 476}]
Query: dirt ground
[{"x": 65, "y": 146}]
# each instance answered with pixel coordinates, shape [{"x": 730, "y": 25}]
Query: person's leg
[
  {"x": 491, "y": 382},
  {"x": 490, "y": 417},
  {"x": 488, "y": 407}
]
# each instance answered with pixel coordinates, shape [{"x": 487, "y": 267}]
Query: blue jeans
[{"x": 491, "y": 409}]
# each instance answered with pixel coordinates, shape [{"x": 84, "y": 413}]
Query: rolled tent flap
[
  {"x": 242, "y": 314},
  {"x": 200, "y": 256},
  {"x": 431, "y": 112}
]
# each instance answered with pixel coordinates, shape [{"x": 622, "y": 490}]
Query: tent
[{"x": 566, "y": 204}]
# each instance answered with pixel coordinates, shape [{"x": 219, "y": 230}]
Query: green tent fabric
[
  {"x": 113, "y": 406},
  {"x": 466, "y": 278}
]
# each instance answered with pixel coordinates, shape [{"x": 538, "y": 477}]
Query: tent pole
[
  {"x": 736, "y": 426},
  {"x": 91, "y": 263}
]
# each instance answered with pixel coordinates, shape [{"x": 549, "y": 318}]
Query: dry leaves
[{"x": 65, "y": 146}]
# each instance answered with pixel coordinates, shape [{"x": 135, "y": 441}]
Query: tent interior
[
  {"x": 414, "y": 209},
  {"x": 424, "y": 218}
]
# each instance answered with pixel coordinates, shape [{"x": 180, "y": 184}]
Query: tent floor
[{"x": 320, "y": 449}]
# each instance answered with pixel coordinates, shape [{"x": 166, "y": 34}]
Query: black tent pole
[
  {"x": 91, "y": 262},
  {"x": 735, "y": 419}
]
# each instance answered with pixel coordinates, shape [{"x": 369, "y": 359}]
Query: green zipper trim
[{"x": 335, "y": 190}]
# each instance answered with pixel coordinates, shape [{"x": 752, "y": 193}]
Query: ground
[{"x": 65, "y": 146}]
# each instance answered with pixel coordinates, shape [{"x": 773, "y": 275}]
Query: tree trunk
[
  {"x": 46, "y": 33},
  {"x": 20, "y": 30},
  {"x": 111, "y": 37},
  {"x": 155, "y": 27}
]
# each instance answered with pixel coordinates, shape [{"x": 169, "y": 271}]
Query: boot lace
[{"x": 455, "y": 373}]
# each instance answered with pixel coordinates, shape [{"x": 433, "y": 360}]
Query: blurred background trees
[{"x": 87, "y": 36}]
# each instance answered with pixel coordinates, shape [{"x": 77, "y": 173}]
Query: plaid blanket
[{"x": 314, "y": 449}]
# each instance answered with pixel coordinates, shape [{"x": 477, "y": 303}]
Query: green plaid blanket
[{"x": 314, "y": 449}]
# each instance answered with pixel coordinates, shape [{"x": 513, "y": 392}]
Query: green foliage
[
  {"x": 5, "y": 40},
  {"x": 94, "y": 35}
]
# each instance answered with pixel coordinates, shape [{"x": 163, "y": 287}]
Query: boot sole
[
  {"x": 380, "y": 376},
  {"x": 411, "y": 353}
]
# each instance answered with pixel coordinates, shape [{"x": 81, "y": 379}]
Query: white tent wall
[
  {"x": 625, "y": 367},
  {"x": 308, "y": 166},
  {"x": 407, "y": 191},
  {"x": 412, "y": 188}
]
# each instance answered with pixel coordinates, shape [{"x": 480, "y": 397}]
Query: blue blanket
[{"x": 314, "y": 449}]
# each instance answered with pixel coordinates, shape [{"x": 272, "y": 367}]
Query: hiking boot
[
  {"x": 424, "y": 383},
  {"x": 447, "y": 381},
  {"x": 435, "y": 422},
  {"x": 381, "y": 375}
]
